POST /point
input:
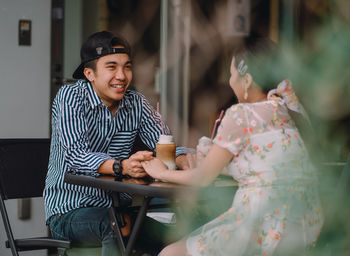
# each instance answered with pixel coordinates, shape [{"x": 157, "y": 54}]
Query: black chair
[{"x": 23, "y": 168}]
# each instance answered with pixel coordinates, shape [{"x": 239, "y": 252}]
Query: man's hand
[
  {"x": 132, "y": 166},
  {"x": 184, "y": 162}
]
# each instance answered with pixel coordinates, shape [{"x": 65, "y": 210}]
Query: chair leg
[{"x": 61, "y": 251}]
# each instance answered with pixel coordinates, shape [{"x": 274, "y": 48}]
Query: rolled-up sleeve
[
  {"x": 233, "y": 130},
  {"x": 72, "y": 130}
]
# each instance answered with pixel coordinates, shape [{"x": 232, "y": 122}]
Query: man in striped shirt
[{"x": 94, "y": 125}]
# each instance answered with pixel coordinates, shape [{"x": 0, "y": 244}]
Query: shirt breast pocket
[
  {"x": 122, "y": 143},
  {"x": 127, "y": 134}
]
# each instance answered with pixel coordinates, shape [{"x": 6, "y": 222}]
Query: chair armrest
[{"x": 27, "y": 244}]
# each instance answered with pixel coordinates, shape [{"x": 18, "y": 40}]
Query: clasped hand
[
  {"x": 142, "y": 163},
  {"x": 132, "y": 166},
  {"x": 155, "y": 167}
]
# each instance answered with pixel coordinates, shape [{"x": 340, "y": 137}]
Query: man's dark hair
[{"x": 91, "y": 64}]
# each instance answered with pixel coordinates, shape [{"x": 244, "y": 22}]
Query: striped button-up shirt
[{"x": 85, "y": 134}]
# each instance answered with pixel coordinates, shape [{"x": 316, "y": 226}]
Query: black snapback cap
[{"x": 98, "y": 45}]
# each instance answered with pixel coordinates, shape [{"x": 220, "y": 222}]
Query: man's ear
[{"x": 89, "y": 74}]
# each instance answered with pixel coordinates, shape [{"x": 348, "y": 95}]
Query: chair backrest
[{"x": 23, "y": 167}]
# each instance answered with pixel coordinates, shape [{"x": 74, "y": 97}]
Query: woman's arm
[{"x": 217, "y": 158}]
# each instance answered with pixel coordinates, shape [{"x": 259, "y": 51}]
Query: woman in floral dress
[{"x": 276, "y": 210}]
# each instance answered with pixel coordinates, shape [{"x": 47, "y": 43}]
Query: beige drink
[{"x": 165, "y": 150}]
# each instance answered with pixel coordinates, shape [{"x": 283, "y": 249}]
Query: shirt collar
[
  {"x": 126, "y": 101},
  {"x": 92, "y": 95}
]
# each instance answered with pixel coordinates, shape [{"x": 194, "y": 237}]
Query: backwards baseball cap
[{"x": 98, "y": 45}]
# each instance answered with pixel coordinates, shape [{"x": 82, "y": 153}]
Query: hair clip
[{"x": 242, "y": 68}]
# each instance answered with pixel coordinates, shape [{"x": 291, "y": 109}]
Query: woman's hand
[
  {"x": 154, "y": 167},
  {"x": 185, "y": 162}
]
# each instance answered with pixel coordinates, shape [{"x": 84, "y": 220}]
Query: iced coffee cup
[{"x": 165, "y": 150}]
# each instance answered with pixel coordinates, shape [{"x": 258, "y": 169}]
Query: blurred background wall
[{"x": 24, "y": 95}]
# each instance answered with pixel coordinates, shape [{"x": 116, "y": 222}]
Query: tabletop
[{"x": 141, "y": 188}]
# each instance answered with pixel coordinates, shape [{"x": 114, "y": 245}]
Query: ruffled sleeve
[{"x": 233, "y": 130}]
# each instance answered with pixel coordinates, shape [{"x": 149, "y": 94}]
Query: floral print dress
[{"x": 276, "y": 209}]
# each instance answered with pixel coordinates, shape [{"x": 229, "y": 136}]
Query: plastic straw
[
  {"x": 161, "y": 123},
  {"x": 217, "y": 121}
]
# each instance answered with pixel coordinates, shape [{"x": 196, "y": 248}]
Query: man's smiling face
[{"x": 111, "y": 78}]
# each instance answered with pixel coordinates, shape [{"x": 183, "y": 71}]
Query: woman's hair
[
  {"x": 262, "y": 58},
  {"x": 259, "y": 56}
]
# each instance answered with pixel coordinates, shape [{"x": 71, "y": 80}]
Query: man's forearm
[{"x": 106, "y": 167}]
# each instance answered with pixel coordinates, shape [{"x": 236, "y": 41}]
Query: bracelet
[{"x": 117, "y": 168}]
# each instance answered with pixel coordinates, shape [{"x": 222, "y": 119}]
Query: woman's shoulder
[
  {"x": 236, "y": 107},
  {"x": 261, "y": 112},
  {"x": 248, "y": 107}
]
